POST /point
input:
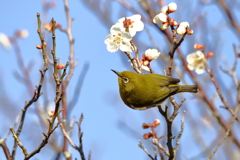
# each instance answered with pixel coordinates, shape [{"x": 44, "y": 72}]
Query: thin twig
[
  {"x": 14, "y": 126},
  {"x": 226, "y": 105},
  {"x": 144, "y": 149},
  {"x": 180, "y": 133},
  {"x": 159, "y": 145},
  {"x": 228, "y": 12},
  {"x": 5, "y": 148},
  {"x": 79, "y": 149},
  {"x": 227, "y": 132},
  {"x": 19, "y": 143},
  {"x": 44, "y": 142}
]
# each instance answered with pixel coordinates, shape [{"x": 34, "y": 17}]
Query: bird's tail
[{"x": 188, "y": 88}]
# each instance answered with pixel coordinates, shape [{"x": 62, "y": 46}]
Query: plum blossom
[
  {"x": 118, "y": 40},
  {"x": 196, "y": 61}
]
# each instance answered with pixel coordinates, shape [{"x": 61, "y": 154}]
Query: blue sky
[{"x": 111, "y": 129}]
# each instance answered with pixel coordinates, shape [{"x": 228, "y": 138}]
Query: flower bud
[
  {"x": 160, "y": 18},
  {"x": 164, "y": 9},
  {"x": 185, "y": 24},
  {"x": 172, "y": 7},
  {"x": 156, "y": 123},
  {"x": 189, "y": 32},
  {"x": 38, "y": 46},
  {"x": 60, "y": 66},
  {"x": 151, "y": 54},
  {"x": 50, "y": 113},
  {"x": 181, "y": 30},
  {"x": 198, "y": 46},
  {"x": 146, "y": 125},
  {"x": 147, "y": 135},
  {"x": 209, "y": 55}
]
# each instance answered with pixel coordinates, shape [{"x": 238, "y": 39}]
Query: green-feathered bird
[{"x": 143, "y": 91}]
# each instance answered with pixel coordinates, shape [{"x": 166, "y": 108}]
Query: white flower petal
[
  {"x": 191, "y": 67},
  {"x": 112, "y": 47},
  {"x": 126, "y": 47},
  {"x": 115, "y": 29},
  {"x": 145, "y": 68},
  {"x": 136, "y": 17},
  {"x": 200, "y": 54},
  {"x": 156, "y": 19},
  {"x": 126, "y": 35},
  {"x": 191, "y": 57},
  {"x": 184, "y": 24},
  {"x": 181, "y": 30},
  {"x": 200, "y": 69},
  {"x": 164, "y": 9},
  {"x": 139, "y": 26}
]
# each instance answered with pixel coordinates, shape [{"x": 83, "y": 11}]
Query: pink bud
[
  {"x": 147, "y": 135},
  {"x": 50, "y": 113},
  {"x": 209, "y": 55},
  {"x": 198, "y": 46},
  {"x": 38, "y": 46},
  {"x": 146, "y": 125},
  {"x": 189, "y": 32},
  {"x": 60, "y": 66},
  {"x": 156, "y": 123}
]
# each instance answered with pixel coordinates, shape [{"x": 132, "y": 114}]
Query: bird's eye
[{"x": 125, "y": 80}]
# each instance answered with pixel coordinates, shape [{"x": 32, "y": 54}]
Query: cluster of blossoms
[
  {"x": 166, "y": 21},
  {"x": 197, "y": 60},
  {"x": 120, "y": 38},
  {"x": 122, "y": 32},
  {"x": 152, "y": 133}
]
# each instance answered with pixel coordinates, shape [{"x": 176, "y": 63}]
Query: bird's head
[{"x": 126, "y": 80}]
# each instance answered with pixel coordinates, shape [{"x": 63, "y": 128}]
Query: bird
[{"x": 144, "y": 91}]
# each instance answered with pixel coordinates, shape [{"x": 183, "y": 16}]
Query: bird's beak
[{"x": 116, "y": 72}]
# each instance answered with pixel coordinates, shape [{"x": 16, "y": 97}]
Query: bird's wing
[
  {"x": 163, "y": 93},
  {"x": 164, "y": 80}
]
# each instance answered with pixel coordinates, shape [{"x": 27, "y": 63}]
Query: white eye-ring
[{"x": 125, "y": 80}]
